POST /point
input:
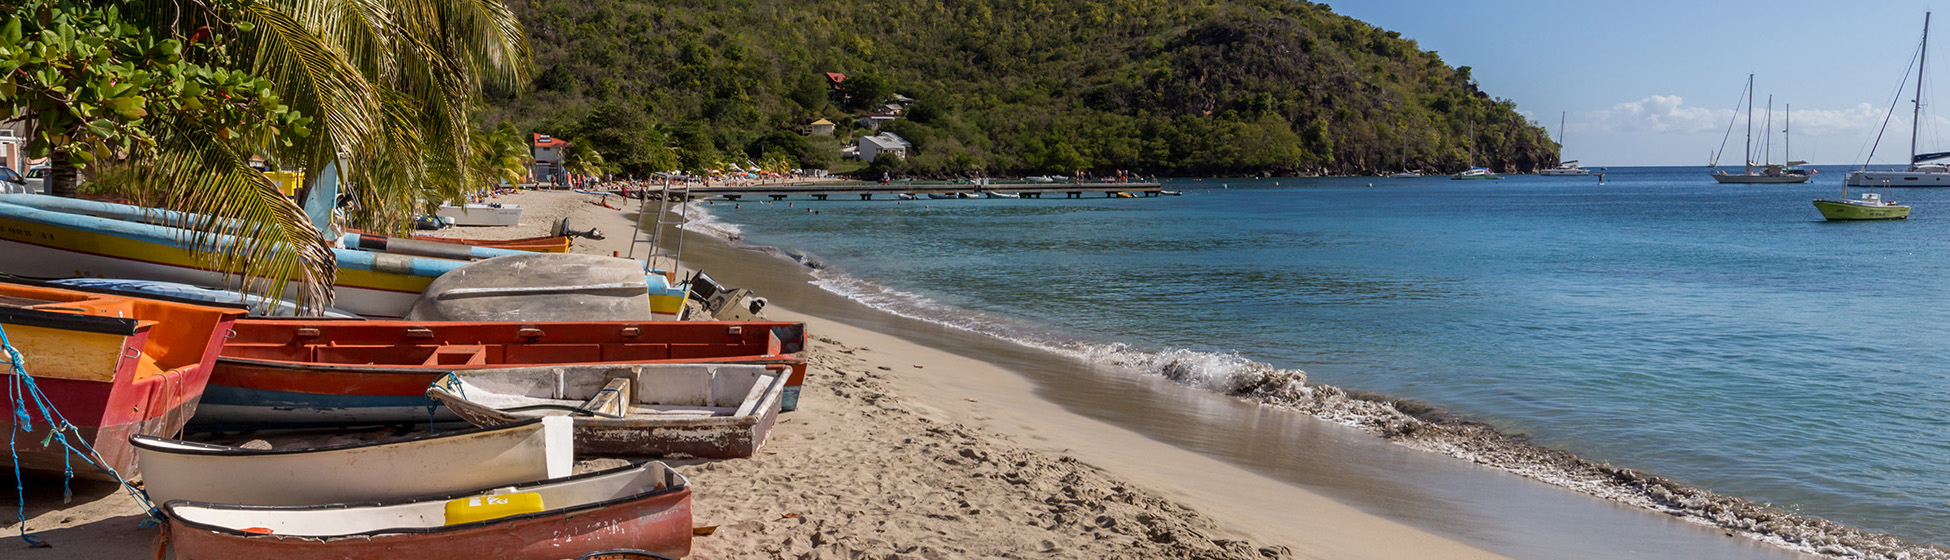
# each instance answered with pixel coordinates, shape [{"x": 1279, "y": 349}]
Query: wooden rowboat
[
  {"x": 645, "y": 507},
  {"x": 662, "y": 410},
  {"x": 113, "y": 366},
  {"x": 388, "y": 470},
  {"x": 543, "y": 244},
  {"x": 310, "y": 372}
]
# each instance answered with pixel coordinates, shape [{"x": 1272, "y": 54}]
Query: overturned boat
[
  {"x": 645, "y": 507},
  {"x": 387, "y": 470},
  {"x": 103, "y": 367},
  {"x": 295, "y": 372},
  {"x": 706, "y": 411}
]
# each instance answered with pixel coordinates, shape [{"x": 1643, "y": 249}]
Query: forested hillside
[{"x": 1010, "y": 86}]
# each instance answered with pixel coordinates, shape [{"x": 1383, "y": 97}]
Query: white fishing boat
[
  {"x": 1767, "y": 172},
  {"x": 472, "y": 214},
  {"x": 645, "y": 506},
  {"x": 1920, "y": 173},
  {"x": 671, "y": 410},
  {"x": 992, "y": 194},
  {"x": 386, "y": 470}
]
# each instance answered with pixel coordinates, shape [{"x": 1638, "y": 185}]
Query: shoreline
[{"x": 1428, "y": 429}]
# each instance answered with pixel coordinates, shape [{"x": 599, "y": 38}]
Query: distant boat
[
  {"x": 942, "y": 196},
  {"x": 1767, "y": 172},
  {"x": 1565, "y": 169},
  {"x": 1406, "y": 175},
  {"x": 1040, "y": 179},
  {"x": 705, "y": 411},
  {"x": 1870, "y": 206},
  {"x": 472, "y": 214},
  {"x": 429, "y": 464},
  {"x": 645, "y": 506},
  {"x": 967, "y": 195},
  {"x": 1919, "y": 173},
  {"x": 905, "y": 196},
  {"x": 1171, "y": 193},
  {"x": 112, "y": 366},
  {"x": 1476, "y": 173},
  {"x": 1004, "y": 195}
]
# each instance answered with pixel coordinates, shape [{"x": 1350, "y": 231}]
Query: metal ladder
[{"x": 673, "y": 198}]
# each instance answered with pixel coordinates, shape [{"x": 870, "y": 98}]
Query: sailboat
[
  {"x": 1767, "y": 172},
  {"x": 1405, "y": 173},
  {"x": 1474, "y": 172},
  {"x": 1565, "y": 169},
  {"x": 1919, "y": 173}
]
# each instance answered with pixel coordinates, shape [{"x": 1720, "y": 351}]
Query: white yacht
[{"x": 1920, "y": 172}]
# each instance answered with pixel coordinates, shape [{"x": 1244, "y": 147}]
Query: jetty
[{"x": 891, "y": 190}]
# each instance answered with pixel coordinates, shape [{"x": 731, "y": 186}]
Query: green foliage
[{"x": 1153, "y": 86}]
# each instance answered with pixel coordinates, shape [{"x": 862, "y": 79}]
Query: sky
[{"x": 1655, "y": 82}]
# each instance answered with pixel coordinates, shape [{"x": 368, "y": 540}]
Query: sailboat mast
[
  {"x": 1916, "y": 117},
  {"x": 1767, "y": 142},
  {"x": 1750, "y": 125},
  {"x": 1787, "y": 140}
]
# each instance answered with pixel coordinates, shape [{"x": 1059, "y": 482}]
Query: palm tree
[
  {"x": 500, "y": 156},
  {"x": 388, "y": 84},
  {"x": 583, "y": 159}
]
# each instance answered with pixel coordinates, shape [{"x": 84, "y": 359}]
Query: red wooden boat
[
  {"x": 646, "y": 507},
  {"x": 112, "y": 365},
  {"x": 313, "y": 372}
]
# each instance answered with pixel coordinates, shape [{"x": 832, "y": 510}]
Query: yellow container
[
  {"x": 287, "y": 181},
  {"x": 482, "y": 508}
]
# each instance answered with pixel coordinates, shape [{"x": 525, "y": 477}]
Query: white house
[{"x": 883, "y": 143}]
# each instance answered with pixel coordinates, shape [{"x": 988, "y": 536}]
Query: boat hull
[
  {"x": 441, "y": 463},
  {"x": 1897, "y": 179},
  {"x": 1843, "y": 211},
  {"x": 319, "y": 373},
  {"x": 1565, "y": 173},
  {"x": 128, "y": 366},
  {"x": 657, "y": 519},
  {"x": 1730, "y": 178}
]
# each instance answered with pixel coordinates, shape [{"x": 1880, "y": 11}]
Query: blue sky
[{"x": 1654, "y": 82}]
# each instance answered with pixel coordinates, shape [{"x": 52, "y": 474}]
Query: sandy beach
[{"x": 918, "y": 441}]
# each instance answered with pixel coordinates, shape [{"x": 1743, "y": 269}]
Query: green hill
[{"x": 1011, "y": 86}]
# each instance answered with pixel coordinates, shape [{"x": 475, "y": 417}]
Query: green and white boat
[
  {"x": 1870, "y": 206},
  {"x": 1476, "y": 173}
]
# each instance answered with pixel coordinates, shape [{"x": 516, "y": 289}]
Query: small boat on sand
[
  {"x": 664, "y": 410},
  {"x": 474, "y": 214},
  {"x": 385, "y": 470},
  {"x": 295, "y": 372},
  {"x": 112, "y": 366},
  {"x": 645, "y": 506}
]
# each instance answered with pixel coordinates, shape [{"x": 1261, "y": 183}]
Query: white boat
[
  {"x": 1767, "y": 172},
  {"x": 1040, "y": 179},
  {"x": 472, "y": 214},
  {"x": 1003, "y": 195},
  {"x": 388, "y": 470},
  {"x": 943, "y": 196},
  {"x": 671, "y": 410},
  {"x": 905, "y": 196},
  {"x": 1920, "y": 172},
  {"x": 645, "y": 507},
  {"x": 1565, "y": 169},
  {"x": 1476, "y": 173},
  {"x": 1406, "y": 175}
]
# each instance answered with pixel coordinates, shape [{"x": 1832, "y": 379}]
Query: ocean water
[{"x": 1720, "y": 335}]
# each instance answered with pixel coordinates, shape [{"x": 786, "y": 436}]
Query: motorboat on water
[
  {"x": 1406, "y": 175},
  {"x": 1869, "y": 206},
  {"x": 1476, "y": 173},
  {"x": 1566, "y": 169},
  {"x": 993, "y": 194}
]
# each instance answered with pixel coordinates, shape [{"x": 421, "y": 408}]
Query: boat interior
[
  {"x": 181, "y": 345},
  {"x": 332, "y": 520},
  {"x": 476, "y": 344},
  {"x": 639, "y": 390}
]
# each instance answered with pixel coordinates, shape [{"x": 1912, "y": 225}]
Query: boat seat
[
  {"x": 614, "y": 398},
  {"x": 458, "y": 355}
]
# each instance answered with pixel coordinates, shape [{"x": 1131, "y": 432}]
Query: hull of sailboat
[
  {"x": 1731, "y": 178},
  {"x": 1898, "y": 179},
  {"x": 1837, "y": 210},
  {"x": 1565, "y": 173}
]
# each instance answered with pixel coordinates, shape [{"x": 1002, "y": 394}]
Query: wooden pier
[{"x": 891, "y": 191}]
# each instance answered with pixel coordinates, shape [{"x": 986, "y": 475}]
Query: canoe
[
  {"x": 379, "y": 471},
  {"x": 295, "y": 372},
  {"x": 53, "y": 237},
  {"x": 663, "y": 410},
  {"x": 113, "y": 366},
  {"x": 472, "y": 214},
  {"x": 646, "y": 507}
]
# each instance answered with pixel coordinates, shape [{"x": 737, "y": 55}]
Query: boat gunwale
[
  {"x": 82, "y": 322},
  {"x": 143, "y": 441},
  {"x": 41, "y": 283},
  {"x": 673, "y": 482}
]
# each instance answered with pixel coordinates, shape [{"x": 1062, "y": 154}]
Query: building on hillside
[
  {"x": 13, "y": 145},
  {"x": 872, "y": 121},
  {"x": 821, "y": 127},
  {"x": 834, "y": 88},
  {"x": 885, "y": 143},
  {"x": 549, "y": 154}
]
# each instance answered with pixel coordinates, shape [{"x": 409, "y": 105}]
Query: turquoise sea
[{"x": 1720, "y": 335}]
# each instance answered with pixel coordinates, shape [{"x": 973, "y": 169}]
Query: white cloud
[{"x": 1670, "y": 114}]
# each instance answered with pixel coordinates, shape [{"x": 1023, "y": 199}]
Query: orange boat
[
  {"x": 321, "y": 372},
  {"x": 112, "y": 366},
  {"x": 544, "y": 244}
]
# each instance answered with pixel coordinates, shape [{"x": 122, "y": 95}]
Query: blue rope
[{"x": 22, "y": 389}]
